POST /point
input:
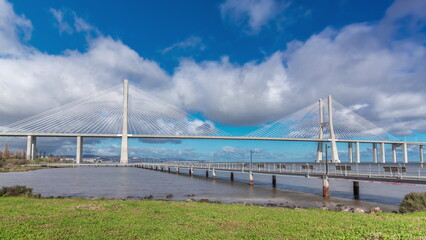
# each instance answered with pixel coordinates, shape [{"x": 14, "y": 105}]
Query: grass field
[{"x": 27, "y": 218}]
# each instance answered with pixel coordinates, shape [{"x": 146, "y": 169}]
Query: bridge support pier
[
  {"x": 357, "y": 153},
  {"x": 177, "y": 170},
  {"x": 356, "y": 189},
  {"x": 213, "y": 174},
  {"x": 382, "y": 153},
  {"x": 405, "y": 151},
  {"x": 232, "y": 176},
  {"x": 79, "y": 150},
  {"x": 421, "y": 154},
  {"x": 350, "y": 152},
  {"x": 375, "y": 152},
  {"x": 191, "y": 172},
  {"x": 274, "y": 181},
  {"x": 325, "y": 187},
  {"x": 207, "y": 173},
  {"x": 251, "y": 182},
  {"x": 394, "y": 153},
  {"x": 31, "y": 147},
  {"x": 29, "y": 143}
]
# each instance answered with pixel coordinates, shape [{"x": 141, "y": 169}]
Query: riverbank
[
  {"x": 22, "y": 165},
  {"x": 117, "y": 219},
  {"x": 19, "y": 168}
]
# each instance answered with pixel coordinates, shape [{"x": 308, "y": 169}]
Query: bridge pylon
[{"x": 329, "y": 125}]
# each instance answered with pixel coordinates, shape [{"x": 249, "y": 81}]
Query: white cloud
[
  {"x": 53, "y": 80},
  {"x": 232, "y": 93},
  {"x": 62, "y": 25},
  {"x": 192, "y": 42},
  {"x": 81, "y": 25},
  {"x": 255, "y": 13},
  {"x": 69, "y": 22},
  {"x": 13, "y": 29}
]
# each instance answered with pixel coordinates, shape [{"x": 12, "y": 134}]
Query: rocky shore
[{"x": 328, "y": 206}]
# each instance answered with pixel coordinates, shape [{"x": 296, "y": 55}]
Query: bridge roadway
[{"x": 201, "y": 137}]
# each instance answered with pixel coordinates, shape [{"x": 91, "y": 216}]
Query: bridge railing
[{"x": 376, "y": 170}]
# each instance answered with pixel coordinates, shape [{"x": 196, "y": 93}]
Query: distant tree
[
  {"x": 6, "y": 153},
  {"x": 20, "y": 154}
]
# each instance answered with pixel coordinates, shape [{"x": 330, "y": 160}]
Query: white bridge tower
[{"x": 332, "y": 139}]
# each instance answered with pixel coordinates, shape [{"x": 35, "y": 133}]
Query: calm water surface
[{"x": 128, "y": 182}]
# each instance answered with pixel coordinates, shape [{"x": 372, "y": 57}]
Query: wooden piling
[{"x": 274, "y": 181}]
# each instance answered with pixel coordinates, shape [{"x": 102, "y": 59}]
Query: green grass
[{"x": 27, "y": 218}]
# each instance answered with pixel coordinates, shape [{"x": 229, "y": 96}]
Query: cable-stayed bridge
[{"x": 128, "y": 112}]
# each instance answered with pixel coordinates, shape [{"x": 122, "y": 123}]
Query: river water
[{"x": 129, "y": 182}]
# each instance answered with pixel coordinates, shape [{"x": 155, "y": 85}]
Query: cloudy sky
[{"x": 238, "y": 63}]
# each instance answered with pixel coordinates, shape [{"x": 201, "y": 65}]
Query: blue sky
[
  {"x": 150, "y": 27},
  {"x": 238, "y": 63}
]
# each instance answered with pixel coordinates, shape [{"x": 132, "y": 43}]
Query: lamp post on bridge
[
  {"x": 251, "y": 160},
  {"x": 326, "y": 159}
]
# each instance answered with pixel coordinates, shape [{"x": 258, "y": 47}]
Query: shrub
[
  {"x": 413, "y": 202},
  {"x": 18, "y": 190},
  {"x": 16, "y": 162}
]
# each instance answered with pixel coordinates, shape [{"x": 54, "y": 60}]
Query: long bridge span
[{"x": 132, "y": 113}]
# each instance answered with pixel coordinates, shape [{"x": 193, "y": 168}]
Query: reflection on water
[{"x": 122, "y": 182}]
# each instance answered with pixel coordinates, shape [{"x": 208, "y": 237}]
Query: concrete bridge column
[
  {"x": 29, "y": 143},
  {"x": 405, "y": 151},
  {"x": 31, "y": 147},
  {"x": 357, "y": 153},
  {"x": 213, "y": 174},
  {"x": 421, "y": 154},
  {"x": 79, "y": 150},
  {"x": 394, "y": 153},
  {"x": 319, "y": 152},
  {"x": 374, "y": 152},
  {"x": 350, "y": 152},
  {"x": 382, "y": 153}
]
